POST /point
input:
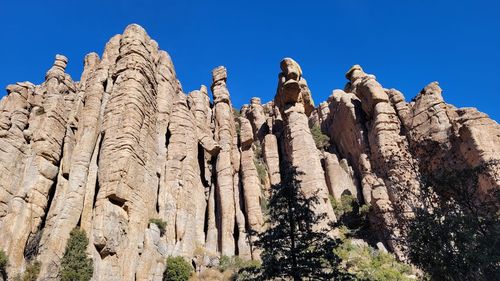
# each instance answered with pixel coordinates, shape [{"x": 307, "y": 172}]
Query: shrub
[
  {"x": 235, "y": 268},
  {"x": 259, "y": 162},
  {"x": 364, "y": 209},
  {"x": 177, "y": 269},
  {"x": 31, "y": 272},
  {"x": 237, "y": 127},
  {"x": 257, "y": 150},
  {"x": 162, "y": 225},
  {"x": 262, "y": 174},
  {"x": 199, "y": 251},
  {"x": 235, "y": 262},
  {"x": 345, "y": 205},
  {"x": 367, "y": 263},
  {"x": 4, "y": 261},
  {"x": 236, "y": 113},
  {"x": 75, "y": 264},
  {"x": 208, "y": 274},
  {"x": 236, "y": 116},
  {"x": 261, "y": 170},
  {"x": 351, "y": 216},
  {"x": 321, "y": 140},
  {"x": 264, "y": 207}
]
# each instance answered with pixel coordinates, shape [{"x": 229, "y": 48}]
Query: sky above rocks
[{"x": 406, "y": 44}]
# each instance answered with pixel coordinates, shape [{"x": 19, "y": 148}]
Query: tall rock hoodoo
[
  {"x": 125, "y": 147},
  {"x": 293, "y": 100}
]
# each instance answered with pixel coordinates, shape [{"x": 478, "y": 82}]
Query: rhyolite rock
[
  {"x": 298, "y": 144},
  {"x": 125, "y": 145},
  {"x": 227, "y": 170}
]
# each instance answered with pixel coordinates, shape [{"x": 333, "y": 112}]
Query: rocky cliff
[{"x": 125, "y": 145}]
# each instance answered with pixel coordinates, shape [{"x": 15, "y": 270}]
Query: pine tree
[
  {"x": 292, "y": 246},
  {"x": 75, "y": 265}
]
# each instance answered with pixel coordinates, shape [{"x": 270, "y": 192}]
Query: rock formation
[
  {"x": 125, "y": 147},
  {"x": 293, "y": 100}
]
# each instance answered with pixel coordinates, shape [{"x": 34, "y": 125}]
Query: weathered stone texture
[
  {"x": 271, "y": 157},
  {"x": 227, "y": 165},
  {"x": 250, "y": 178},
  {"x": 125, "y": 145},
  {"x": 292, "y": 100},
  {"x": 340, "y": 177}
]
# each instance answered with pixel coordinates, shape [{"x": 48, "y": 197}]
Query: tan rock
[
  {"x": 428, "y": 117},
  {"x": 250, "y": 180},
  {"x": 479, "y": 144},
  {"x": 225, "y": 135},
  {"x": 299, "y": 145},
  {"x": 271, "y": 158},
  {"x": 42, "y": 146},
  {"x": 125, "y": 145},
  {"x": 297, "y": 91},
  {"x": 255, "y": 114},
  {"x": 339, "y": 177}
]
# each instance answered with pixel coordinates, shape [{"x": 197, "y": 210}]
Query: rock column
[{"x": 292, "y": 99}]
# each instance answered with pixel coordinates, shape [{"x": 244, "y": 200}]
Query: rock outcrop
[
  {"x": 293, "y": 98},
  {"x": 125, "y": 148}
]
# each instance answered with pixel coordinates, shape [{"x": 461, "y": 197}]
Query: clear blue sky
[{"x": 406, "y": 44}]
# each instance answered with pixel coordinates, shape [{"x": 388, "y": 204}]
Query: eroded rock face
[
  {"x": 340, "y": 177},
  {"x": 271, "y": 157},
  {"x": 442, "y": 136},
  {"x": 33, "y": 132},
  {"x": 255, "y": 114},
  {"x": 109, "y": 153},
  {"x": 227, "y": 167},
  {"x": 298, "y": 143},
  {"x": 125, "y": 145},
  {"x": 252, "y": 189},
  {"x": 390, "y": 142},
  {"x": 292, "y": 88}
]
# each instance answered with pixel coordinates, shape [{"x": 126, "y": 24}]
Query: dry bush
[{"x": 207, "y": 275}]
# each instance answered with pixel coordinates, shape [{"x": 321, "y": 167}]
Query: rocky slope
[{"x": 125, "y": 144}]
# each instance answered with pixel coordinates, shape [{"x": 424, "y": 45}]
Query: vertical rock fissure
[{"x": 97, "y": 186}]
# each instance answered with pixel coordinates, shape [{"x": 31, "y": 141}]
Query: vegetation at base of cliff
[
  {"x": 31, "y": 272},
  {"x": 235, "y": 268},
  {"x": 342, "y": 206},
  {"x": 456, "y": 234},
  {"x": 366, "y": 263},
  {"x": 351, "y": 216},
  {"x": 211, "y": 274},
  {"x": 321, "y": 140},
  {"x": 162, "y": 225},
  {"x": 4, "y": 262},
  {"x": 75, "y": 264},
  {"x": 291, "y": 246},
  {"x": 359, "y": 258},
  {"x": 178, "y": 269}
]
